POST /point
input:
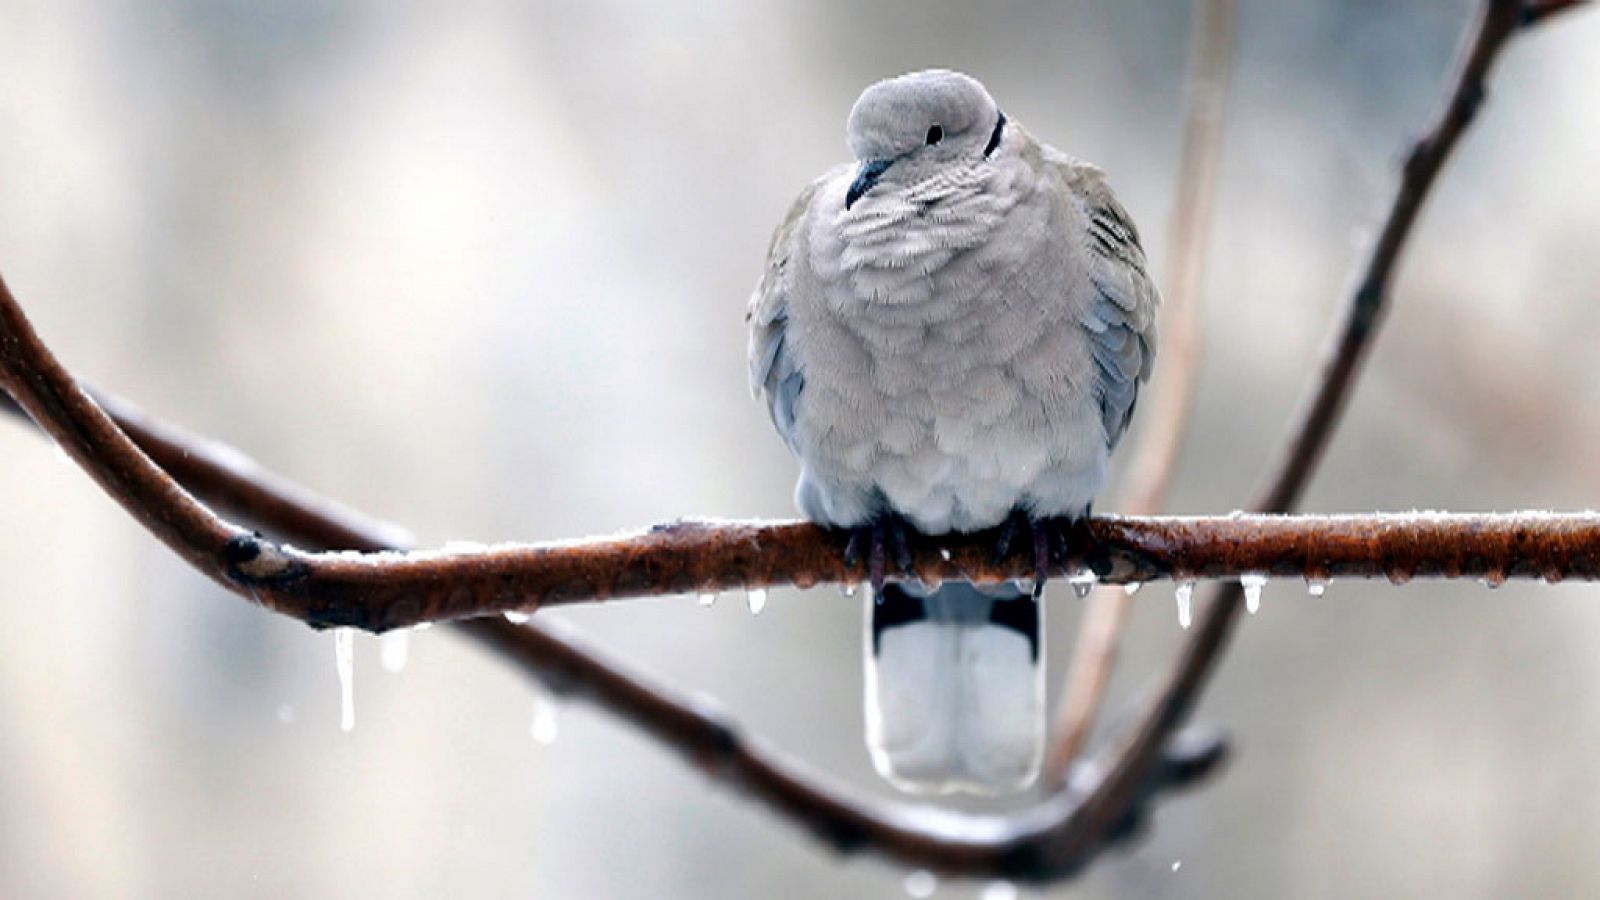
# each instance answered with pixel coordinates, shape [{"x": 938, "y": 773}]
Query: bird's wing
[
  {"x": 1121, "y": 316},
  {"x": 774, "y": 372}
]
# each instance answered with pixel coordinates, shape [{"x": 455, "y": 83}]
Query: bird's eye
[{"x": 935, "y": 135}]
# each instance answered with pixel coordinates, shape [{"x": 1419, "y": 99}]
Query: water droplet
[
  {"x": 847, "y": 589},
  {"x": 517, "y": 618},
  {"x": 344, "y": 659},
  {"x": 944, "y": 554},
  {"x": 1252, "y": 584},
  {"x": 756, "y": 599},
  {"x": 1083, "y": 581},
  {"x": 394, "y": 648},
  {"x": 1494, "y": 578},
  {"x": 1316, "y": 587},
  {"x": 999, "y": 890},
  {"x": 709, "y": 598},
  {"x": 921, "y": 883},
  {"x": 1185, "y": 595},
  {"x": 1132, "y": 587},
  {"x": 546, "y": 725},
  {"x": 1177, "y": 864},
  {"x": 285, "y": 713}
]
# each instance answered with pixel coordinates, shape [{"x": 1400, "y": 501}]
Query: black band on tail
[
  {"x": 894, "y": 607},
  {"x": 1020, "y": 615}
]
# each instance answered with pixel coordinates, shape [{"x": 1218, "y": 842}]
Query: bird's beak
[{"x": 866, "y": 177}]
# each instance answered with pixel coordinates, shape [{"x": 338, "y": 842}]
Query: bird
[{"x": 950, "y": 334}]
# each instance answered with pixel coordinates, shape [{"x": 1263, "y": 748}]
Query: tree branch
[
  {"x": 1052, "y": 838},
  {"x": 1313, "y": 424},
  {"x": 1172, "y": 392},
  {"x": 1536, "y": 11},
  {"x": 384, "y": 590},
  {"x": 1027, "y": 845}
]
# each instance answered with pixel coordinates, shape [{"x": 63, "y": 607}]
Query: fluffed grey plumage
[{"x": 952, "y": 330}]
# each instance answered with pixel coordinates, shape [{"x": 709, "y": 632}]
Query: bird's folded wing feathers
[
  {"x": 1121, "y": 317},
  {"x": 774, "y": 372}
]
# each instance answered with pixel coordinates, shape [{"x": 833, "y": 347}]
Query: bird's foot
[
  {"x": 886, "y": 536},
  {"x": 1050, "y": 538}
]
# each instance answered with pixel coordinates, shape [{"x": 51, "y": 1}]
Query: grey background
[{"x": 480, "y": 267}]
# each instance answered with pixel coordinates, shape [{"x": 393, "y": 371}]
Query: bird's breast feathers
[{"x": 945, "y": 370}]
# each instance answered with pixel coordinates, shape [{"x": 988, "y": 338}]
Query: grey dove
[{"x": 950, "y": 335}]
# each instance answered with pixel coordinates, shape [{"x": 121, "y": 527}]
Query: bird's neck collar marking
[{"x": 994, "y": 136}]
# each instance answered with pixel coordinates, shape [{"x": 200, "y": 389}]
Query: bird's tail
[{"x": 955, "y": 686}]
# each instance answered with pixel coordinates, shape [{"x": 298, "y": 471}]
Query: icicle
[
  {"x": 546, "y": 723},
  {"x": 1316, "y": 587},
  {"x": 756, "y": 599},
  {"x": 1132, "y": 587},
  {"x": 1083, "y": 581},
  {"x": 1252, "y": 584},
  {"x": 921, "y": 883},
  {"x": 517, "y": 618},
  {"x": 393, "y": 650},
  {"x": 1185, "y": 595},
  {"x": 999, "y": 890},
  {"x": 847, "y": 589},
  {"x": 708, "y": 598},
  {"x": 344, "y": 659}
]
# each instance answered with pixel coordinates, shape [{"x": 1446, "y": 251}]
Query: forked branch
[
  {"x": 1313, "y": 425},
  {"x": 1050, "y": 839},
  {"x": 1020, "y": 846}
]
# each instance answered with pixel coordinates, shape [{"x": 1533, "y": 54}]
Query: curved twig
[
  {"x": 1535, "y": 11},
  {"x": 1313, "y": 424},
  {"x": 1052, "y": 838},
  {"x": 1172, "y": 392},
  {"x": 1010, "y": 846}
]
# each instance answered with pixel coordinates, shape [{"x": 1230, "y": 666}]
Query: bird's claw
[
  {"x": 878, "y": 540},
  {"x": 1051, "y": 542}
]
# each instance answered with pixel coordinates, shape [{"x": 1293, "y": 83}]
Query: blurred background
[{"x": 480, "y": 267}]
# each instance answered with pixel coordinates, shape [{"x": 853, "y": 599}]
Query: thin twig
[
  {"x": 1171, "y": 394},
  {"x": 1313, "y": 426},
  {"x": 1536, "y": 11},
  {"x": 1052, "y": 838},
  {"x": 1010, "y": 846}
]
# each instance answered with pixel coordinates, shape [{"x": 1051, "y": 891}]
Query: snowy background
[{"x": 480, "y": 267}]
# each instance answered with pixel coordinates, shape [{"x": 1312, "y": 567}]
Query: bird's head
[{"x": 906, "y": 129}]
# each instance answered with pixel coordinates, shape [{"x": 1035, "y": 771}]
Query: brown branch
[
  {"x": 1052, "y": 838},
  {"x": 1314, "y": 423},
  {"x": 1171, "y": 395},
  {"x": 380, "y": 591},
  {"x": 1030, "y": 845},
  {"x": 1536, "y": 11}
]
